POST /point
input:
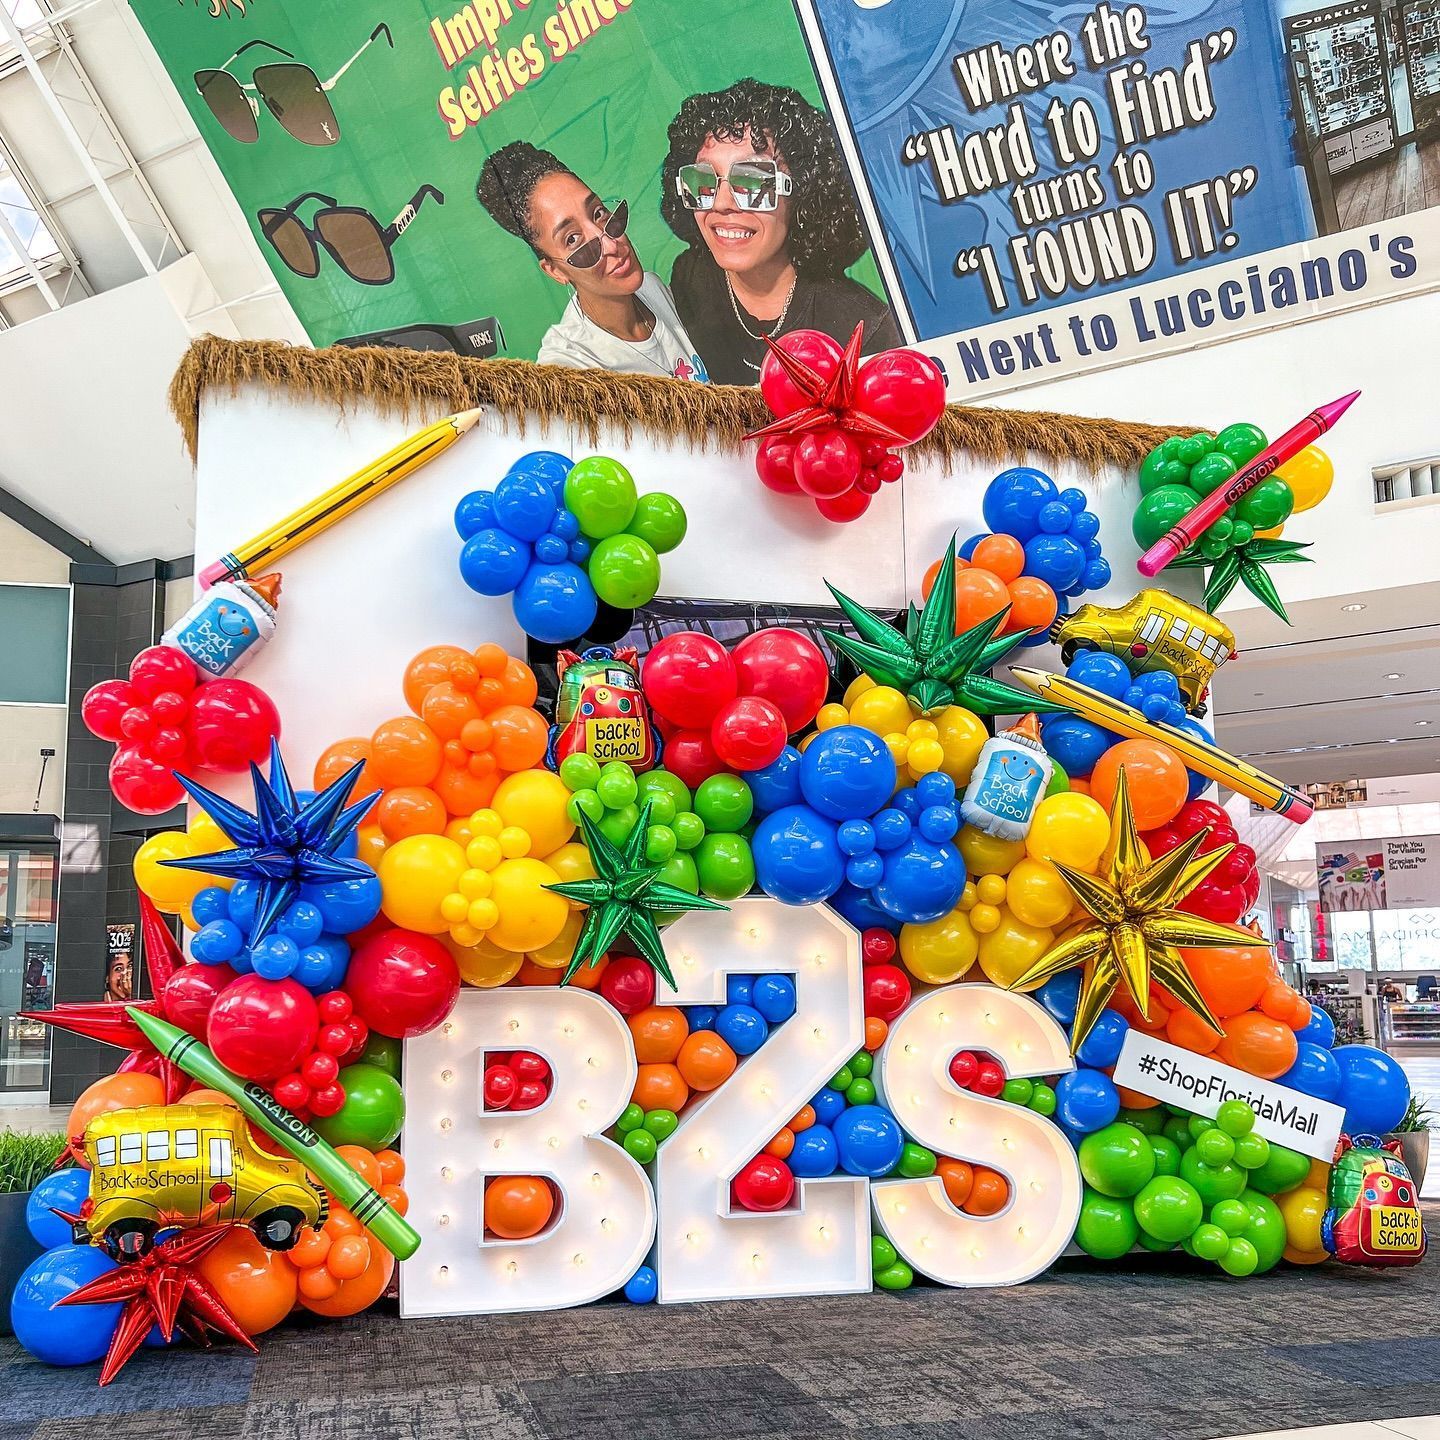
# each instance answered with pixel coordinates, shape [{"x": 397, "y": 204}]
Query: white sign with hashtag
[{"x": 1199, "y": 1084}]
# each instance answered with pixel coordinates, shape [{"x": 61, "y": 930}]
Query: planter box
[{"x": 17, "y": 1249}]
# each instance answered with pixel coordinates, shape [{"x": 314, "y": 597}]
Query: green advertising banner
[{"x": 646, "y": 185}]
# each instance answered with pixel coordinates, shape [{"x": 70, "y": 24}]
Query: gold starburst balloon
[{"x": 1135, "y": 930}]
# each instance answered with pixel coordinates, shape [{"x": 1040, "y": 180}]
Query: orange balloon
[
  {"x": 348, "y": 1258},
  {"x": 804, "y": 1118},
  {"x": 705, "y": 1061},
  {"x": 875, "y": 1032},
  {"x": 1080, "y": 786},
  {"x": 518, "y": 1206},
  {"x": 781, "y": 1146},
  {"x": 404, "y": 751},
  {"x": 530, "y": 973},
  {"x": 1033, "y": 605},
  {"x": 587, "y": 977},
  {"x": 257, "y": 1285},
  {"x": 350, "y": 1297},
  {"x": 336, "y": 759},
  {"x": 989, "y": 1194},
  {"x": 927, "y": 582},
  {"x": 1155, "y": 775},
  {"x": 1281, "y": 1003},
  {"x": 362, "y": 1162},
  {"x": 519, "y": 737},
  {"x": 342, "y": 1222},
  {"x": 660, "y": 1087},
  {"x": 316, "y": 1284},
  {"x": 370, "y": 844},
  {"x": 433, "y": 665},
  {"x": 958, "y": 1179},
  {"x": 462, "y": 792},
  {"x": 201, "y": 1096},
  {"x": 113, "y": 1092},
  {"x": 410, "y": 810},
  {"x": 1230, "y": 978},
  {"x": 517, "y": 682},
  {"x": 1190, "y": 1032},
  {"x": 396, "y": 1199},
  {"x": 392, "y": 1166},
  {"x": 1256, "y": 1043},
  {"x": 1122, "y": 1003},
  {"x": 659, "y": 1032},
  {"x": 1300, "y": 1013},
  {"x": 1133, "y": 1100},
  {"x": 978, "y": 596},
  {"x": 309, "y": 1250},
  {"x": 1002, "y": 555},
  {"x": 447, "y": 709}
]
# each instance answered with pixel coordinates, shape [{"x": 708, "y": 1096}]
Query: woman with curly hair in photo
[
  {"x": 620, "y": 316},
  {"x": 754, "y": 186}
]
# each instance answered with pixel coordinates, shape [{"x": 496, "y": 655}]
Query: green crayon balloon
[{"x": 285, "y": 1128}]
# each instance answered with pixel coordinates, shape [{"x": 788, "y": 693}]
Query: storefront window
[{"x": 28, "y": 877}]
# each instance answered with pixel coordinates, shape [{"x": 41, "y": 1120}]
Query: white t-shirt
[{"x": 577, "y": 340}]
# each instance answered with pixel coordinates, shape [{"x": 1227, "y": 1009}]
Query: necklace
[
  {"x": 640, "y": 354},
  {"x": 773, "y": 330}
]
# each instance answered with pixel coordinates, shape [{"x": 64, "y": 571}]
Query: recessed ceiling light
[
  {"x": 1352, "y": 608},
  {"x": 1419, "y": 724},
  {"x": 1395, "y": 675}
]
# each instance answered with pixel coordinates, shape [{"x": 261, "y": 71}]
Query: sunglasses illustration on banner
[
  {"x": 755, "y": 184},
  {"x": 293, "y": 93},
  {"x": 481, "y": 338},
  {"x": 613, "y": 221},
  {"x": 356, "y": 240}
]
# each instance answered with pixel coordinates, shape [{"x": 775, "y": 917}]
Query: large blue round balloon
[
  {"x": 1102, "y": 1045},
  {"x": 1055, "y": 559},
  {"x": 66, "y": 1190},
  {"x": 1060, "y": 994},
  {"x": 1086, "y": 1100},
  {"x": 1320, "y": 1031},
  {"x": 797, "y": 857},
  {"x": 777, "y": 784},
  {"x": 493, "y": 561},
  {"x": 550, "y": 463},
  {"x": 1074, "y": 744},
  {"x": 1315, "y": 1072},
  {"x": 65, "y": 1334},
  {"x": 869, "y": 1139},
  {"x": 347, "y": 905},
  {"x": 1374, "y": 1089},
  {"x": 1101, "y": 671},
  {"x": 554, "y": 603},
  {"x": 815, "y": 1153},
  {"x": 525, "y": 504},
  {"x": 921, "y": 881},
  {"x": 847, "y": 773},
  {"x": 1013, "y": 500}
]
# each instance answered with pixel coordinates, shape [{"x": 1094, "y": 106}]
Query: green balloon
[
  {"x": 1018, "y": 1092},
  {"x": 898, "y": 1276},
  {"x": 1193, "y": 448},
  {"x": 1199, "y": 1124},
  {"x": 641, "y": 1145},
  {"x": 1117, "y": 1160},
  {"x": 1215, "y": 1147},
  {"x": 1175, "y": 472},
  {"x": 1251, "y": 1152},
  {"x": 1241, "y": 442},
  {"x": 625, "y": 571},
  {"x": 659, "y": 844},
  {"x": 1235, "y": 1118},
  {"x": 1159, "y": 510},
  {"x": 1209, "y": 1242},
  {"x": 601, "y": 495},
  {"x": 662, "y": 1123},
  {"x": 1243, "y": 533},
  {"x": 1153, "y": 470},
  {"x": 632, "y": 1117},
  {"x": 841, "y": 1079},
  {"x": 1232, "y": 1216},
  {"x": 1214, "y": 1182},
  {"x": 1043, "y": 1101},
  {"x": 1212, "y": 547},
  {"x": 1059, "y": 780},
  {"x": 861, "y": 1091},
  {"x": 616, "y": 785},
  {"x": 1167, "y": 1155},
  {"x": 1211, "y": 472},
  {"x": 1168, "y": 1209},
  {"x": 1269, "y": 504},
  {"x": 689, "y": 829},
  {"x": 680, "y": 870},
  {"x": 724, "y": 803},
  {"x": 882, "y": 1253},
  {"x": 383, "y": 1052},
  {"x": 1266, "y": 1230},
  {"x": 861, "y": 1063},
  {"x": 1150, "y": 1120},
  {"x": 580, "y": 771},
  {"x": 1283, "y": 1170},
  {"x": 726, "y": 867},
  {"x": 661, "y": 784},
  {"x": 1177, "y": 1128},
  {"x": 1222, "y": 528},
  {"x": 1107, "y": 1228},
  {"x": 586, "y": 802},
  {"x": 915, "y": 1161},
  {"x": 616, "y": 825},
  {"x": 373, "y": 1112},
  {"x": 659, "y": 520},
  {"x": 1240, "y": 1259},
  {"x": 1149, "y": 1242}
]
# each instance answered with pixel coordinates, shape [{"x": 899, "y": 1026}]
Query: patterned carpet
[{"x": 1088, "y": 1352}]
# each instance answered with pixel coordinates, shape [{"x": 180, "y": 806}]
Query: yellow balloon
[
  {"x": 416, "y": 874},
  {"x": 571, "y": 862},
  {"x": 370, "y": 845},
  {"x": 990, "y": 889},
  {"x": 858, "y": 686},
  {"x": 483, "y": 965},
  {"x": 881, "y": 710},
  {"x": 1037, "y": 894},
  {"x": 535, "y": 800},
  {"x": 1274, "y": 533},
  {"x": 1012, "y": 948},
  {"x": 1309, "y": 475},
  {"x": 561, "y": 950},
  {"x": 985, "y": 855},
  {"x": 205, "y": 835},
  {"x": 1305, "y": 1257},
  {"x": 1303, "y": 1208},
  {"x": 962, "y": 733},
  {"x": 984, "y": 919},
  {"x": 1070, "y": 828},
  {"x": 531, "y": 916},
  {"x": 170, "y": 890},
  {"x": 829, "y": 717},
  {"x": 940, "y": 951}
]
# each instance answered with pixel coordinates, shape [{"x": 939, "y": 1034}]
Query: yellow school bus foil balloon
[{"x": 161, "y": 1166}]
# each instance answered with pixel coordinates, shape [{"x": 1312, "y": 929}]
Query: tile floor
[{"x": 1417, "y": 1427}]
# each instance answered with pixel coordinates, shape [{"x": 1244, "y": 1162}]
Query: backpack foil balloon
[
  {"x": 600, "y": 710},
  {"x": 1374, "y": 1215}
]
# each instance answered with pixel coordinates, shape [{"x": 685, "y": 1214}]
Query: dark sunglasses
[
  {"x": 356, "y": 240},
  {"x": 755, "y": 184},
  {"x": 587, "y": 256},
  {"x": 293, "y": 93}
]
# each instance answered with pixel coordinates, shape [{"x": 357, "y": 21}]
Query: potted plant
[
  {"x": 1413, "y": 1133},
  {"x": 25, "y": 1160}
]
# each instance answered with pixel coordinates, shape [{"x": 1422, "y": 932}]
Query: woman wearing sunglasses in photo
[
  {"x": 620, "y": 316},
  {"x": 753, "y": 185}
]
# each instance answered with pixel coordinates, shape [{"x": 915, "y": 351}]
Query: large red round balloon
[
  {"x": 811, "y": 347},
  {"x": 103, "y": 706},
  {"x": 887, "y": 991},
  {"x": 628, "y": 984},
  {"x": 159, "y": 669},
  {"x": 902, "y": 389},
  {"x": 786, "y": 668},
  {"x": 262, "y": 1029},
  {"x": 775, "y": 464},
  {"x": 402, "y": 984},
  {"x": 827, "y": 463},
  {"x": 143, "y": 785},
  {"x": 748, "y": 733},
  {"x": 687, "y": 678},
  {"x": 231, "y": 724},
  {"x": 191, "y": 992},
  {"x": 764, "y": 1183},
  {"x": 691, "y": 755}
]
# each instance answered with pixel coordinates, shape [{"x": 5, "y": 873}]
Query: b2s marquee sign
[{"x": 612, "y": 1215}]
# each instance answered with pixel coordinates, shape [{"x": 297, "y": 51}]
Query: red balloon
[
  {"x": 887, "y": 991},
  {"x": 989, "y": 1079},
  {"x": 748, "y": 733},
  {"x": 902, "y": 389},
  {"x": 764, "y": 1183},
  {"x": 291, "y": 1091},
  {"x": 964, "y": 1067},
  {"x": 261, "y": 1029},
  {"x": 687, "y": 677},
  {"x": 890, "y": 469},
  {"x": 529, "y": 1094},
  {"x": 867, "y": 484},
  {"x": 628, "y": 984},
  {"x": 232, "y": 723},
  {"x": 144, "y": 785},
  {"x": 161, "y": 668},
  {"x": 811, "y": 347},
  {"x": 190, "y": 993},
  {"x": 1162, "y": 840},
  {"x": 786, "y": 668},
  {"x": 827, "y": 463},
  {"x": 1196, "y": 815},
  {"x": 877, "y": 946},
  {"x": 1213, "y": 899},
  {"x": 104, "y": 707},
  {"x": 499, "y": 1087},
  {"x": 775, "y": 464},
  {"x": 403, "y": 984},
  {"x": 1237, "y": 865},
  {"x": 527, "y": 1065},
  {"x": 849, "y": 506},
  {"x": 691, "y": 755}
]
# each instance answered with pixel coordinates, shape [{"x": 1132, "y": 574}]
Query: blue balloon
[
  {"x": 345, "y": 905},
  {"x": 1101, "y": 671},
  {"x": 1320, "y": 1031},
  {"x": 922, "y": 882},
  {"x": 551, "y": 549},
  {"x": 1085, "y": 525},
  {"x": 777, "y": 784},
  {"x": 525, "y": 505},
  {"x": 66, "y": 1189},
  {"x": 1075, "y": 744},
  {"x": 643, "y": 1286},
  {"x": 774, "y": 997},
  {"x": 860, "y": 909},
  {"x": 737, "y": 989},
  {"x": 797, "y": 857},
  {"x": 847, "y": 773},
  {"x": 1055, "y": 559},
  {"x": 1374, "y": 1089},
  {"x": 967, "y": 546},
  {"x": 554, "y": 603},
  {"x": 1315, "y": 1072},
  {"x": 1097, "y": 573},
  {"x": 302, "y": 922},
  {"x": 828, "y": 1106},
  {"x": 742, "y": 1028},
  {"x": 64, "y": 1334},
  {"x": 275, "y": 957},
  {"x": 212, "y": 903},
  {"x": 323, "y": 965},
  {"x": 1059, "y": 995},
  {"x": 1198, "y": 783},
  {"x": 244, "y": 897},
  {"x": 869, "y": 1140},
  {"x": 1086, "y": 1100},
  {"x": 493, "y": 561},
  {"x": 474, "y": 513},
  {"x": 1054, "y": 517},
  {"x": 550, "y": 464},
  {"x": 815, "y": 1153},
  {"x": 1102, "y": 1045},
  {"x": 702, "y": 1017},
  {"x": 1013, "y": 500},
  {"x": 217, "y": 943}
]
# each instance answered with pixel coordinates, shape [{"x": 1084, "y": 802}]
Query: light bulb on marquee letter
[
  {"x": 604, "y": 1223},
  {"x": 1029, "y": 1150}
]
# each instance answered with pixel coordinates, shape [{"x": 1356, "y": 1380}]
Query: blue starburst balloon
[{"x": 284, "y": 844}]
